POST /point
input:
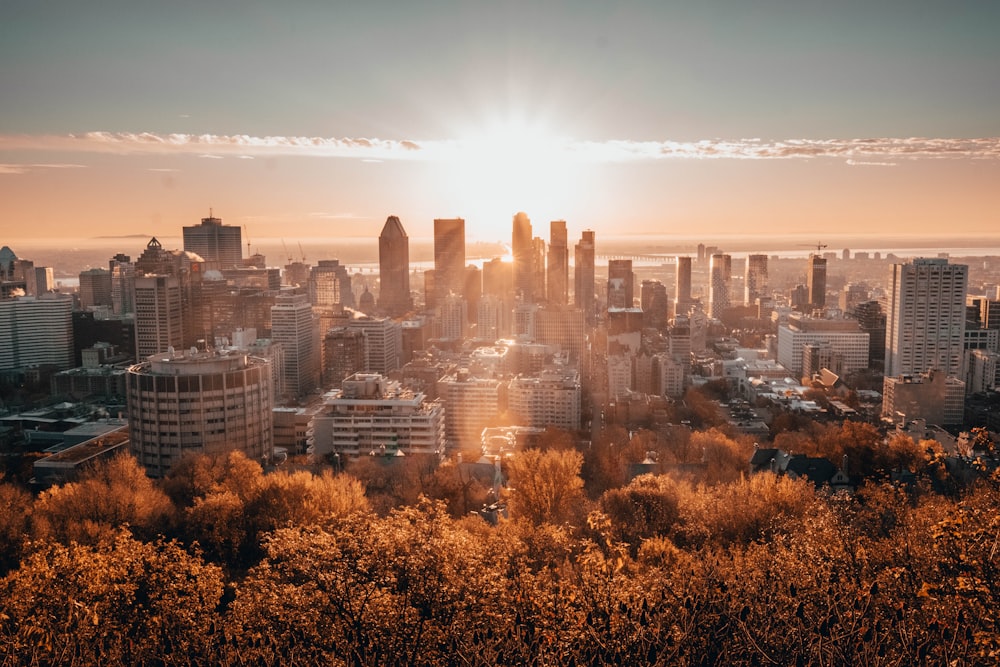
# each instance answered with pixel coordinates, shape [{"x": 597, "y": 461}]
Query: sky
[{"x": 322, "y": 118}]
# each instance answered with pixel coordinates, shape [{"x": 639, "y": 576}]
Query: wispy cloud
[
  {"x": 25, "y": 168},
  {"x": 859, "y": 151}
]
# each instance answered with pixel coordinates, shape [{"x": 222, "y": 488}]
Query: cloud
[
  {"x": 861, "y": 151},
  {"x": 25, "y": 168},
  {"x": 869, "y": 163}
]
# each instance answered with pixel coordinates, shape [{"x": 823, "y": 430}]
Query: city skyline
[{"x": 721, "y": 119}]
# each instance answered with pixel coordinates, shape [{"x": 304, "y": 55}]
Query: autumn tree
[
  {"x": 109, "y": 495},
  {"x": 119, "y": 601},
  {"x": 546, "y": 486}
]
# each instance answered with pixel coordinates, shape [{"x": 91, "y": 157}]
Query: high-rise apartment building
[
  {"x": 294, "y": 326},
  {"x": 584, "y": 276},
  {"x": 523, "y": 250},
  {"x": 198, "y": 403},
  {"x": 552, "y": 398},
  {"x": 925, "y": 317},
  {"x": 755, "y": 285},
  {"x": 557, "y": 284},
  {"x": 36, "y": 331},
  {"x": 394, "y": 269},
  {"x": 471, "y": 404},
  {"x": 816, "y": 281},
  {"x": 720, "y": 279},
  {"x": 621, "y": 283},
  {"x": 449, "y": 257},
  {"x": 372, "y": 415},
  {"x": 221, "y": 246},
  {"x": 454, "y": 320}
]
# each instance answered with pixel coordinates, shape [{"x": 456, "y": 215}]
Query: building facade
[
  {"x": 394, "y": 269},
  {"x": 221, "y": 246},
  {"x": 372, "y": 415},
  {"x": 925, "y": 317},
  {"x": 201, "y": 403}
]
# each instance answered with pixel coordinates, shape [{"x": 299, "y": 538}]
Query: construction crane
[
  {"x": 302, "y": 252},
  {"x": 819, "y": 246},
  {"x": 247, "y": 232},
  {"x": 287, "y": 254}
]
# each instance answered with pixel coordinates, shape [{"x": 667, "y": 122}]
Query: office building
[
  {"x": 294, "y": 326},
  {"x": 842, "y": 338},
  {"x": 683, "y": 285},
  {"x": 394, "y": 269},
  {"x": 198, "y": 403},
  {"x": 493, "y": 316},
  {"x": 473, "y": 291},
  {"x": 122, "y": 284},
  {"x": 36, "y": 331},
  {"x": 621, "y": 283},
  {"x": 449, "y": 258},
  {"x": 330, "y": 286},
  {"x": 159, "y": 314},
  {"x": 584, "y": 276},
  {"x": 383, "y": 342},
  {"x": 755, "y": 285},
  {"x": 720, "y": 279},
  {"x": 343, "y": 355},
  {"x": 932, "y": 396},
  {"x": 557, "y": 271},
  {"x": 372, "y": 415},
  {"x": 219, "y": 245},
  {"x": 655, "y": 303},
  {"x": 816, "y": 282},
  {"x": 522, "y": 248},
  {"x": 925, "y": 317},
  {"x": 95, "y": 288},
  {"x": 564, "y": 327}
]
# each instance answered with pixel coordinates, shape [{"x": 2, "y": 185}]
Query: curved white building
[{"x": 199, "y": 402}]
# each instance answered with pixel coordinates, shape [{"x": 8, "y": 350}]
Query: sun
[{"x": 499, "y": 167}]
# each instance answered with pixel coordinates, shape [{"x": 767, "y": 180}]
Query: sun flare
[{"x": 505, "y": 166}]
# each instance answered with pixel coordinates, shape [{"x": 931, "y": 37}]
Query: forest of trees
[{"x": 222, "y": 563}]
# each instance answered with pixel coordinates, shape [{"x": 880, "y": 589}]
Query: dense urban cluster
[{"x": 604, "y": 455}]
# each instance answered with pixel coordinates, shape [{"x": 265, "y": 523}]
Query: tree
[
  {"x": 108, "y": 496},
  {"x": 120, "y": 602},
  {"x": 15, "y": 513},
  {"x": 546, "y": 486}
]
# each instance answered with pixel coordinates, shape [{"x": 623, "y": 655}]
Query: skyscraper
[
  {"x": 330, "y": 285},
  {"x": 756, "y": 278},
  {"x": 683, "y": 285},
  {"x": 36, "y": 331},
  {"x": 95, "y": 288},
  {"x": 558, "y": 263},
  {"x": 720, "y": 277},
  {"x": 449, "y": 256},
  {"x": 122, "y": 284},
  {"x": 583, "y": 275},
  {"x": 159, "y": 314},
  {"x": 221, "y": 246},
  {"x": 294, "y": 326},
  {"x": 521, "y": 248},
  {"x": 655, "y": 304},
  {"x": 817, "y": 281},
  {"x": 621, "y": 284},
  {"x": 925, "y": 317},
  {"x": 394, "y": 269}
]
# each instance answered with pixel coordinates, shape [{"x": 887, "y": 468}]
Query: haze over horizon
[{"x": 307, "y": 120}]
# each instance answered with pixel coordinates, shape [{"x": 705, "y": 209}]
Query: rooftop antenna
[{"x": 247, "y": 232}]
